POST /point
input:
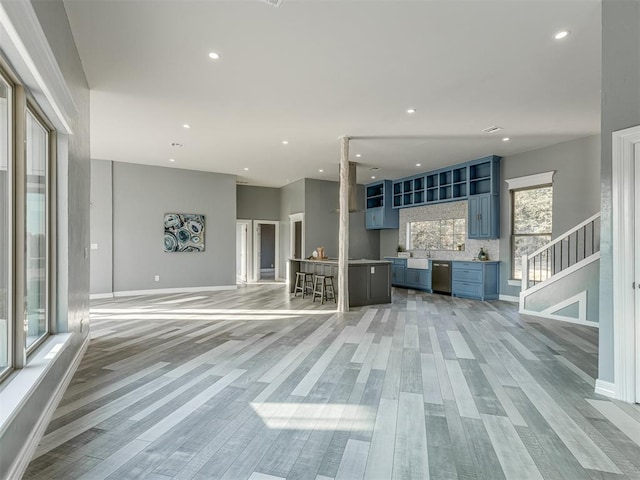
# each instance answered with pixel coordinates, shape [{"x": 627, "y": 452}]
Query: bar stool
[
  {"x": 323, "y": 288},
  {"x": 304, "y": 283}
]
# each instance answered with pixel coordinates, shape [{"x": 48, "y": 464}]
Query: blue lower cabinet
[
  {"x": 415, "y": 278},
  {"x": 418, "y": 278},
  {"x": 475, "y": 280},
  {"x": 398, "y": 274}
]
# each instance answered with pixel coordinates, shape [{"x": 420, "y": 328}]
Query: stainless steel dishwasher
[{"x": 441, "y": 277}]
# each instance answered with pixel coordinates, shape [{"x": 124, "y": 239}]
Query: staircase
[{"x": 560, "y": 281}]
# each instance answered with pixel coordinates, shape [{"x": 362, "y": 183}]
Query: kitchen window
[{"x": 447, "y": 234}]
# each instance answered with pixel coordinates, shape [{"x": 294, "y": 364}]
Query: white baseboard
[
  {"x": 606, "y": 389},
  {"x": 98, "y": 296},
  {"x": 164, "y": 291},
  {"x": 508, "y": 298},
  {"x": 25, "y": 456},
  {"x": 561, "y": 318}
]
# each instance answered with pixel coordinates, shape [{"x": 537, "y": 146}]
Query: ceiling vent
[
  {"x": 273, "y": 3},
  {"x": 492, "y": 129},
  {"x": 176, "y": 144}
]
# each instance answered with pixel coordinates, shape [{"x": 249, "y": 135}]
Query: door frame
[
  {"x": 256, "y": 248},
  {"x": 626, "y": 337},
  {"x": 249, "y": 246},
  {"x": 293, "y": 218}
]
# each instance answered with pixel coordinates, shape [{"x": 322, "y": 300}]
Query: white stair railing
[{"x": 566, "y": 250}]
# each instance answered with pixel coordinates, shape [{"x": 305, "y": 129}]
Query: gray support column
[{"x": 343, "y": 229}]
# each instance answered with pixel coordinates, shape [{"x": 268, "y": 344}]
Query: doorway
[
  {"x": 243, "y": 249},
  {"x": 266, "y": 246},
  {"x": 625, "y": 213}
]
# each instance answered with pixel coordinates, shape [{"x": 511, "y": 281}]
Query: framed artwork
[{"x": 183, "y": 232}]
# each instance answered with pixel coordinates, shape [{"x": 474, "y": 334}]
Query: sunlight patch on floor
[{"x": 315, "y": 416}]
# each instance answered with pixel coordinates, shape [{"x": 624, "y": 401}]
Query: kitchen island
[{"x": 369, "y": 280}]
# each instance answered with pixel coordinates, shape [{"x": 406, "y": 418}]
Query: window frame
[
  {"x": 409, "y": 241},
  {"x": 9, "y": 80},
  {"x": 512, "y": 238},
  {"x": 32, "y": 108},
  {"x": 22, "y": 102}
]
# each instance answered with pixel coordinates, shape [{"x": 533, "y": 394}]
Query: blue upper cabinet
[
  {"x": 483, "y": 216},
  {"x": 449, "y": 184},
  {"x": 379, "y": 214}
]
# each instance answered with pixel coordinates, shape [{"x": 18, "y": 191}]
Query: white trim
[
  {"x": 579, "y": 298},
  {"x": 163, "y": 291},
  {"x": 248, "y": 224},
  {"x": 28, "y": 51},
  {"x": 23, "y": 458},
  {"x": 99, "y": 296},
  {"x": 293, "y": 218},
  {"x": 560, "y": 318},
  {"x": 606, "y": 389},
  {"x": 624, "y": 335},
  {"x": 256, "y": 237},
  {"x": 545, "y": 178},
  {"x": 508, "y": 298},
  {"x": 515, "y": 283},
  {"x": 564, "y": 273}
]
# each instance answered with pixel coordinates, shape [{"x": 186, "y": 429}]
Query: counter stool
[
  {"x": 323, "y": 288},
  {"x": 304, "y": 283}
]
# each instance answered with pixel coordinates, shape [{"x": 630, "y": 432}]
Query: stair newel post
[{"x": 525, "y": 272}]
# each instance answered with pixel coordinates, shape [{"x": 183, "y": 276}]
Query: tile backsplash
[{"x": 443, "y": 211}]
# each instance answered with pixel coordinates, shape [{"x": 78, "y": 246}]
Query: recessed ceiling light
[
  {"x": 321, "y": 170},
  {"x": 358, "y": 155},
  {"x": 214, "y": 56},
  {"x": 246, "y": 169},
  {"x": 561, "y": 34},
  {"x": 285, "y": 142},
  {"x": 418, "y": 164},
  {"x": 373, "y": 177},
  {"x": 411, "y": 110},
  {"x": 506, "y": 139},
  {"x": 186, "y": 125},
  {"x": 172, "y": 159}
]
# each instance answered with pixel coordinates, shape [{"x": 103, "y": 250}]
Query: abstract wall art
[{"x": 183, "y": 232}]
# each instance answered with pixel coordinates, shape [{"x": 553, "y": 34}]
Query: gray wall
[
  {"x": 258, "y": 203},
  {"x": 72, "y": 293},
  {"x": 389, "y": 242},
  {"x": 620, "y": 109},
  {"x": 141, "y": 196},
  {"x": 101, "y": 226},
  {"x": 576, "y": 192},
  {"x": 322, "y": 218}
]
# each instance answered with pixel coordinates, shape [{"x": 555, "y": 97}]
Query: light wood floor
[{"x": 253, "y": 384}]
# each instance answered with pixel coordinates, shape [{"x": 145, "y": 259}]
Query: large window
[
  {"x": 5, "y": 203},
  {"x": 532, "y": 213},
  {"x": 36, "y": 238},
  {"x": 25, "y": 224}
]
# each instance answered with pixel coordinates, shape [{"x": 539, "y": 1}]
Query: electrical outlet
[{"x": 157, "y": 279}]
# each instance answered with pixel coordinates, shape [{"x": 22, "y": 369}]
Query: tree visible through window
[{"x": 531, "y": 223}]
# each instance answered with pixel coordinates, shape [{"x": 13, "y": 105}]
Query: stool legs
[{"x": 323, "y": 288}]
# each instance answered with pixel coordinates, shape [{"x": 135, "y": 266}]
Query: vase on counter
[{"x": 482, "y": 256}]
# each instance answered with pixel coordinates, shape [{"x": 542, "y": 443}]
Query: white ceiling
[{"x": 311, "y": 71}]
